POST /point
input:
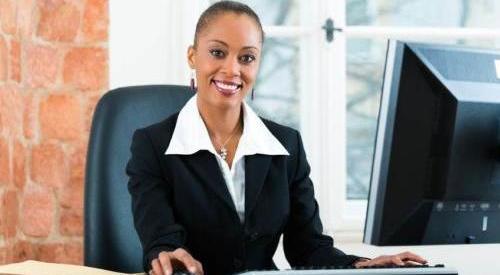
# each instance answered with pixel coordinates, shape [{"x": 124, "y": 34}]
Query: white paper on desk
[{"x": 42, "y": 268}]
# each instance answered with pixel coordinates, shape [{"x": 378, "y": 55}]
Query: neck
[{"x": 221, "y": 123}]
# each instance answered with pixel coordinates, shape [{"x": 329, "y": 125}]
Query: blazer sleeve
[
  {"x": 303, "y": 240},
  {"x": 153, "y": 215}
]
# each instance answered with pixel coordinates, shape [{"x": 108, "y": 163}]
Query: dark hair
[{"x": 223, "y": 7}]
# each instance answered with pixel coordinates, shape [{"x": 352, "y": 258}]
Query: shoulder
[
  {"x": 160, "y": 133},
  {"x": 287, "y": 136}
]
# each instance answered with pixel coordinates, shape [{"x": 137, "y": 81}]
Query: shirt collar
[{"x": 191, "y": 135}]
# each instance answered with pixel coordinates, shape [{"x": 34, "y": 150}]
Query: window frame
[{"x": 355, "y": 210}]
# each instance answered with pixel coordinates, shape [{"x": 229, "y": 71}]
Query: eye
[
  {"x": 247, "y": 58},
  {"x": 217, "y": 53}
]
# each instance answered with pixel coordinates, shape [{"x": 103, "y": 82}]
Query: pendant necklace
[{"x": 223, "y": 150}]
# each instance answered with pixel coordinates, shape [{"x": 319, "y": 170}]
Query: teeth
[{"x": 225, "y": 86}]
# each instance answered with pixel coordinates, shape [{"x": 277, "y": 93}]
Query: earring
[
  {"x": 251, "y": 95},
  {"x": 193, "y": 87}
]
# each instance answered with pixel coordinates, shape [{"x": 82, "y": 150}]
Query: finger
[
  {"x": 188, "y": 261},
  {"x": 166, "y": 263},
  {"x": 412, "y": 257},
  {"x": 397, "y": 260},
  {"x": 155, "y": 264},
  {"x": 412, "y": 263},
  {"x": 385, "y": 260},
  {"x": 200, "y": 267},
  {"x": 378, "y": 261}
]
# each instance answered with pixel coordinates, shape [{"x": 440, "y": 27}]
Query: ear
[{"x": 191, "y": 56}]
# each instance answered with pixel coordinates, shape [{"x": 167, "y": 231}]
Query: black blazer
[{"x": 182, "y": 201}]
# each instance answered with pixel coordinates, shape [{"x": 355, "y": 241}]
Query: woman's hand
[
  {"x": 401, "y": 259},
  {"x": 167, "y": 262}
]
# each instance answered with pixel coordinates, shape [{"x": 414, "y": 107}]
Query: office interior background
[{"x": 58, "y": 57}]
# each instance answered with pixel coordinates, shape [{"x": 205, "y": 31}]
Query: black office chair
[{"x": 111, "y": 241}]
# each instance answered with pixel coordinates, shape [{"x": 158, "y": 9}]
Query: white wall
[{"x": 148, "y": 41}]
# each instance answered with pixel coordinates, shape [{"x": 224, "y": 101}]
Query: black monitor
[{"x": 436, "y": 167}]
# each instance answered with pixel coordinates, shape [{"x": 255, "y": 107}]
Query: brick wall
[{"x": 53, "y": 69}]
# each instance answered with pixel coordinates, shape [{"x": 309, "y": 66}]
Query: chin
[
  {"x": 232, "y": 102},
  {"x": 227, "y": 99}
]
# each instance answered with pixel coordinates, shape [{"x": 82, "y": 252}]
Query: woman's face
[{"x": 226, "y": 59}]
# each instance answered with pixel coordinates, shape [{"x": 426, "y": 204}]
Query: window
[
  {"x": 369, "y": 24},
  {"x": 328, "y": 90},
  {"x": 366, "y": 57},
  {"x": 349, "y": 71}
]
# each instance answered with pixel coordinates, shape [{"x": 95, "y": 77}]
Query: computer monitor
[{"x": 436, "y": 167}]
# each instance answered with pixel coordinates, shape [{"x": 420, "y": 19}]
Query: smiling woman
[
  {"x": 215, "y": 186},
  {"x": 226, "y": 62}
]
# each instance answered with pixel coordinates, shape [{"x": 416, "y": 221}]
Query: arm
[
  {"x": 150, "y": 191},
  {"x": 303, "y": 241}
]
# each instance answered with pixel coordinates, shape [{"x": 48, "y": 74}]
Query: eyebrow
[{"x": 225, "y": 44}]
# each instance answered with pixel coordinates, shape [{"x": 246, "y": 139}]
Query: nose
[{"x": 231, "y": 66}]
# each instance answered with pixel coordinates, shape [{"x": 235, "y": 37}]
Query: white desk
[
  {"x": 481, "y": 259},
  {"x": 43, "y": 268},
  {"x": 477, "y": 259}
]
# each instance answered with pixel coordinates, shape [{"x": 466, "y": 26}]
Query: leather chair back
[{"x": 111, "y": 241}]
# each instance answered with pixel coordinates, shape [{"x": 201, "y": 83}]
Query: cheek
[
  {"x": 206, "y": 66},
  {"x": 202, "y": 76},
  {"x": 250, "y": 74}
]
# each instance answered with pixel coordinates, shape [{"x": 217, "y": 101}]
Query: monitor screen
[{"x": 436, "y": 167}]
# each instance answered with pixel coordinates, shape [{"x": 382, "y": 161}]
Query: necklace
[{"x": 223, "y": 150}]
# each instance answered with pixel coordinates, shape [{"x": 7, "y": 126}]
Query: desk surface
[
  {"x": 466, "y": 259},
  {"x": 42, "y": 268},
  {"x": 475, "y": 259}
]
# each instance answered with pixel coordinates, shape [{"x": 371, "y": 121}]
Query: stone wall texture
[{"x": 53, "y": 70}]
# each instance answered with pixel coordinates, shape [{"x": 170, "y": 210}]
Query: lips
[{"x": 227, "y": 88}]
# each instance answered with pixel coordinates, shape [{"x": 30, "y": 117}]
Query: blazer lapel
[
  {"x": 205, "y": 166},
  {"x": 256, "y": 169}
]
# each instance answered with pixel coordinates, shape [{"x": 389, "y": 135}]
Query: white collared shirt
[{"x": 191, "y": 135}]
